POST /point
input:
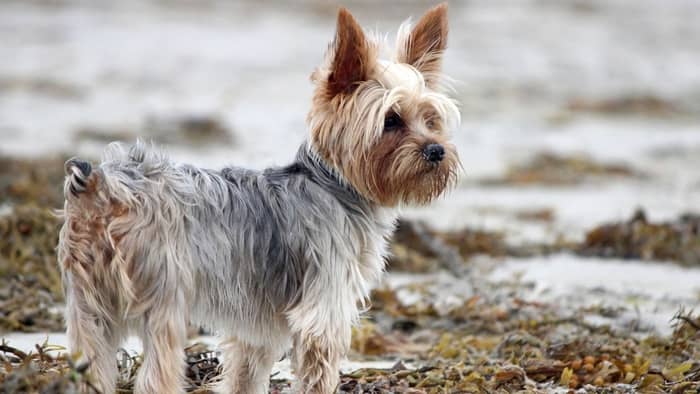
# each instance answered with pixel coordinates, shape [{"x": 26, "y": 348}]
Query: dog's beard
[
  {"x": 395, "y": 171},
  {"x": 414, "y": 180}
]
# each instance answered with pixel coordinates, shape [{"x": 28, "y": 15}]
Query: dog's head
[{"x": 384, "y": 125}]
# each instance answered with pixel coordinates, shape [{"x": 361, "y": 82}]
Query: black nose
[{"x": 434, "y": 153}]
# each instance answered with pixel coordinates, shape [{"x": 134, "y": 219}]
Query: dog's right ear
[{"x": 351, "y": 55}]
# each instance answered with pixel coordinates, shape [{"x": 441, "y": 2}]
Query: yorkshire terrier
[{"x": 273, "y": 258}]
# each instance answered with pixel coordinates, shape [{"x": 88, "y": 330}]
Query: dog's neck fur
[
  {"x": 310, "y": 164},
  {"x": 374, "y": 222}
]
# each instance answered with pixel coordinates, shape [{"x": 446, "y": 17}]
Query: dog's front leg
[
  {"x": 163, "y": 369},
  {"x": 316, "y": 362},
  {"x": 321, "y": 328}
]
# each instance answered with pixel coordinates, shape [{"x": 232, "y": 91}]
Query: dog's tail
[
  {"x": 77, "y": 177},
  {"x": 121, "y": 165}
]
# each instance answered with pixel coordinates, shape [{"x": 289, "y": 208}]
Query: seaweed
[
  {"x": 31, "y": 287},
  {"x": 417, "y": 248},
  {"x": 32, "y": 181},
  {"x": 40, "y": 371},
  {"x": 43, "y": 87},
  {"x": 625, "y": 105},
  {"x": 191, "y": 130},
  {"x": 550, "y": 169},
  {"x": 637, "y": 238}
]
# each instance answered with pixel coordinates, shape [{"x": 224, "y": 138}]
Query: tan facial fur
[{"x": 356, "y": 91}]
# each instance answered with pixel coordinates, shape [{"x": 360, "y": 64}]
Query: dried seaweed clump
[
  {"x": 637, "y": 238},
  {"x": 593, "y": 360},
  {"x": 470, "y": 242},
  {"x": 202, "y": 369},
  {"x": 418, "y": 248},
  {"x": 41, "y": 372},
  {"x": 551, "y": 169},
  {"x": 37, "y": 181},
  {"x": 190, "y": 130},
  {"x": 627, "y": 105},
  {"x": 30, "y": 287}
]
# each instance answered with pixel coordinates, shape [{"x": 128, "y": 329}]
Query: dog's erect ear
[
  {"x": 423, "y": 47},
  {"x": 350, "y": 55}
]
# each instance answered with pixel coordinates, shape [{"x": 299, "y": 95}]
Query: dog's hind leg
[
  {"x": 96, "y": 336},
  {"x": 246, "y": 368},
  {"x": 94, "y": 322},
  {"x": 164, "y": 335}
]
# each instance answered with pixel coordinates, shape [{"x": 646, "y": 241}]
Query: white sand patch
[{"x": 652, "y": 291}]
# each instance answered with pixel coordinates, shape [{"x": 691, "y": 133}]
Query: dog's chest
[{"x": 374, "y": 238}]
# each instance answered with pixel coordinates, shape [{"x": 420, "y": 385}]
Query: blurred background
[{"x": 580, "y": 143}]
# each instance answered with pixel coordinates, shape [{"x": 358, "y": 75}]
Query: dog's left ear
[{"x": 423, "y": 47}]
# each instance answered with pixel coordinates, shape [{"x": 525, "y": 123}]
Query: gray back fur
[{"x": 247, "y": 244}]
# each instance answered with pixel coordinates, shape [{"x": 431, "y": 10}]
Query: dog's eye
[
  {"x": 392, "y": 122},
  {"x": 432, "y": 121}
]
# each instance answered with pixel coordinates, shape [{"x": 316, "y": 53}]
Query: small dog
[{"x": 273, "y": 258}]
